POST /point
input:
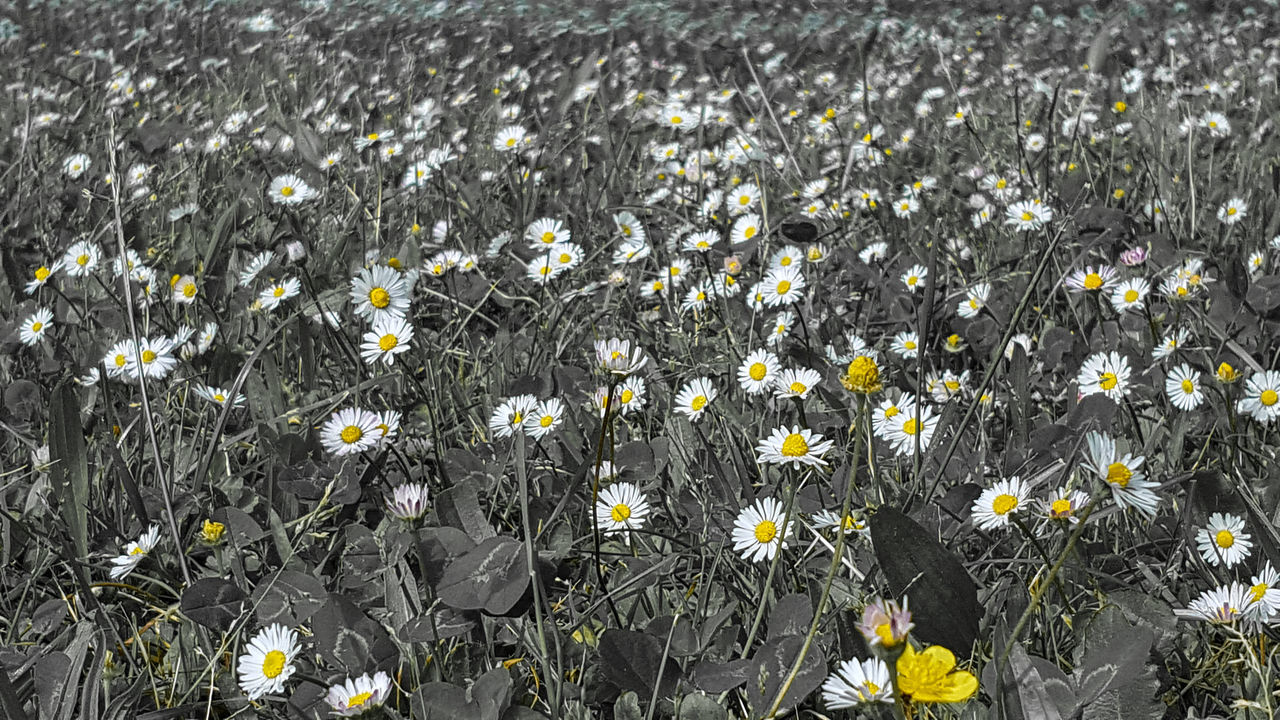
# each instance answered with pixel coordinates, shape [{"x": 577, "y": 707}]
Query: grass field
[{"x": 500, "y": 360}]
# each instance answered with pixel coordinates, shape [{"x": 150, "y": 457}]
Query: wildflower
[
  {"x": 1130, "y": 294},
  {"x": 617, "y": 357},
  {"x": 185, "y": 290},
  {"x": 153, "y": 359},
  {"x": 694, "y": 399},
  {"x": 1027, "y": 215},
  {"x": 1262, "y": 396},
  {"x": 279, "y": 291},
  {"x": 544, "y": 419},
  {"x": 359, "y": 695},
  {"x": 1223, "y": 540},
  {"x": 796, "y": 383},
  {"x": 509, "y": 417},
  {"x": 379, "y": 290},
  {"x": 975, "y": 299},
  {"x": 931, "y": 676},
  {"x": 1065, "y": 503},
  {"x": 389, "y": 336},
  {"x": 885, "y": 623},
  {"x": 1222, "y": 605},
  {"x": 268, "y": 662},
  {"x": 35, "y": 327},
  {"x": 290, "y": 190},
  {"x": 1182, "y": 387},
  {"x": 81, "y": 258},
  {"x": 793, "y": 447},
  {"x": 1265, "y": 593},
  {"x": 349, "y": 431},
  {"x": 1106, "y": 373},
  {"x": 1091, "y": 280},
  {"x": 782, "y": 286},
  {"x": 1129, "y": 486},
  {"x": 135, "y": 552},
  {"x": 211, "y": 532},
  {"x": 1134, "y": 256},
  {"x": 855, "y": 682},
  {"x": 545, "y": 232},
  {"x": 906, "y": 344},
  {"x": 862, "y": 376},
  {"x": 758, "y": 371},
  {"x": 1226, "y": 374},
  {"x": 42, "y": 275},
  {"x": 915, "y": 423},
  {"x": 408, "y": 501},
  {"x": 621, "y": 507},
  {"x": 76, "y": 165},
  {"x": 828, "y": 520},
  {"x": 761, "y": 530},
  {"x": 1173, "y": 339},
  {"x": 218, "y": 396},
  {"x": 995, "y": 506},
  {"x": 511, "y": 139}
]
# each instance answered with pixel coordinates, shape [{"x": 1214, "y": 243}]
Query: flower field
[{"x": 503, "y": 361}]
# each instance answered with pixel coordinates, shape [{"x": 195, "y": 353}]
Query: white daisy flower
[
  {"x": 1129, "y": 486},
  {"x": 694, "y": 399},
  {"x": 796, "y": 446},
  {"x": 856, "y": 682},
  {"x": 350, "y": 431},
  {"x": 389, "y": 336},
  {"x": 1220, "y": 606},
  {"x": 761, "y": 530},
  {"x": 356, "y": 696},
  {"x": 1223, "y": 540},
  {"x": 758, "y": 371},
  {"x": 267, "y": 663},
  {"x": 509, "y": 417},
  {"x": 995, "y": 506},
  {"x": 1182, "y": 387},
  {"x": 621, "y": 507},
  {"x": 544, "y": 419},
  {"x": 796, "y": 382},
  {"x": 135, "y": 552},
  {"x": 1262, "y": 396},
  {"x": 1106, "y": 373}
]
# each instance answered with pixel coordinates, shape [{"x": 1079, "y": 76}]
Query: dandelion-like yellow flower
[
  {"x": 930, "y": 676},
  {"x": 212, "y": 532},
  {"x": 863, "y": 376},
  {"x": 1227, "y": 374}
]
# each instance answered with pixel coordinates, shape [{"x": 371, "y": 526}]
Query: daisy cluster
[{"x": 675, "y": 305}]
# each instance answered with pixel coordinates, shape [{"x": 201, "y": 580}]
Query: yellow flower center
[
  {"x": 620, "y": 513},
  {"x": 137, "y": 550},
  {"x": 699, "y": 402},
  {"x": 798, "y": 387},
  {"x": 1130, "y": 295},
  {"x": 795, "y": 446},
  {"x": 219, "y": 397},
  {"x": 1060, "y": 507},
  {"x": 148, "y": 356},
  {"x": 287, "y": 191},
  {"x": 547, "y": 420},
  {"x": 379, "y": 297},
  {"x": 279, "y": 291},
  {"x": 766, "y": 531},
  {"x": 548, "y": 237},
  {"x": 358, "y": 700},
  {"x": 120, "y": 360},
  {"x": 757, "y": 371},
  {"x": 42, "y": 273},
  {"x": 909, "y": 344},
  {"x": 1119, "y": 474},
  {"x": 1231, "y": 211},
  {"x": 511, "y": 142},
  {"x": 626, "y": 396},
  {"x": 910, "y": 427},
  {"x": 1004, "y": 504},
  {"x": 913, "y": 280},
  {"x": 189, "y": 290},
  {"x": 783, "y": 287},
  {"x": 1092, "y": 281},
  {"x": 1027, "y": 216},
  {"x": 676, "y": 119},
  {"x": 891, "y": 411},
  {"x": 1268, "y": 397},
  {"x": 1108, "y": 381},
  {"x": 273, "y": 664},
  {"x": 351, "y": 434},
  {"x": 82, "y": 260},
  {"x": 1224, "y": 539},
  {"x": 388, "y": 342},
  {"x": 863, "y": 375},
  {"x": 884, "y": 631},
  {"x": 951, "y": 385},
  {"x": 372, "y": 137},
  {"x": 1258, "y": 591},
  {"x": 37, "y": 326}
]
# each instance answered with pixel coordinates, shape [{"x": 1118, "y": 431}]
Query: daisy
[
  {"x": 290, "y": 190},
  {"x": 854, "y": 683},
  {"x": 81, "y": 258},
  {"x": 629, "y": 227},
  {"x": 408, "y": 502},
  {"x": 1065, "y": 503},
  {"x": 1182, "y": 387},
  {"x": 184, "y": 290},
  {"x": 743, "y": 198},
  {"x": 758, "y": 371},
  {"x": 135, "y": 552},
  {"x": 349, "y": 431},
  {"x": 277, "y": 292},
  {"x": 1173, "y": 340},
  {"x": 1222, "y": 605},
  {"x": 1027, "y": 215},
  {"x": 797, "y": 382},
  {"x": 509, "y": 417},
  {"x": 154, "y": 359},
  {"x": 268, "y": 661},
  {"x": 694, "y": 399},
  {"x": 1265, "y": 593},
  {"x": 875, "y": 252},
  {"x": 885, "y": 623},
  {"x": 1223, "y": 540},
  {"x": 829, "y": 520},
  {"x": 1232, "y": 212},
  {"x": 781, "y": 327},
  {"x": 915, "y": 423},
  {"x": 388, "y": 337},
  {"x": 42, "y": 275},
  {"x": 995, "y": 506},
  {"x": 511, "y": 139},
  {"x": 882, "y": 417},
  {"x": 793, "y": 447},
  {"x": 745, "y": 227},
  {"x": 378, "y": 291},
  {"x": 370, "y": 139},
  {"x": 1262, "y": 396},
  {"x": 76, "y": 165},
  {"x": 1130, "y": 294},
  {"x": 621, "y": 507},
  {"x": 617, "y": 357},
  {"x": 782, "y": 286},
  {"x": 356, "y": 696},
  {"x": 1091, "y": 280},
  {"x": 219, "y": 396},
  {"x": 788, "y": 257},
  {"x": 906, "y": 344},
  {"x": 35, "y": 326},
  {"x": 1129, "y": 486},
  {"x": 1106, "y": 373},
  {"x": 545, "y": 232},
  {"x": 914, "y": 277},
  {"x": 630, "y": 396},
  {"x": 975, "y": 299},
  {"x": 700, "y": 241},
  {"x": 544, "y": 419},
  {"x": 761, "y": 530}
]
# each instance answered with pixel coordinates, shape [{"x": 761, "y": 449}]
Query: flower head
[
  {"x": 268, "y": 662},
  {"x": 886, "y": 623},
  {"x": 356, "y": 696},
  {"x": 930, "y": 676},
  {"x": 862, "y": 376}
]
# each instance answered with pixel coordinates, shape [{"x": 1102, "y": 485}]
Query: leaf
[
  {"x": 632, "y": 661},
  {"x": 627, "y": 707},
  {"x": 700, "y": 707},
  {"x": 459, "y": 507},
  {"x": 493, "y": 577},
  {"x": 770, "y": 667},
  {"x": 790, "y": 616},
  {"x": 943, "y": 598},
  {"x": 442, "y": 701},
  {"x": 1033, "y": 690},
  {"x": 441, "y": 625},
  {"x": 492, "y": 691},
  {"x": 290, "y": 599},
  {"x": 716, "y": 677},
  {"x": 70, "y": 470},
  {"x": 213, "y": 602},
  {"x": 22, "y": 400},
  {"x": 1264, "y": 294},
  {"x": 1114, "y": 678},
  {"x": 346, "y": 637}
]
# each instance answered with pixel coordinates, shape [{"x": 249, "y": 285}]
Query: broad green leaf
[{"x": 70, "y": 471}]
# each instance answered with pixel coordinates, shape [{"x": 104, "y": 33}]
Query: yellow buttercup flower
[
  {"x": 931, "y": 676},
  {"x": 863, "y": 376},
  {"x": 1227, "y": 374},
  {"x": 212, "y": 532}
]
